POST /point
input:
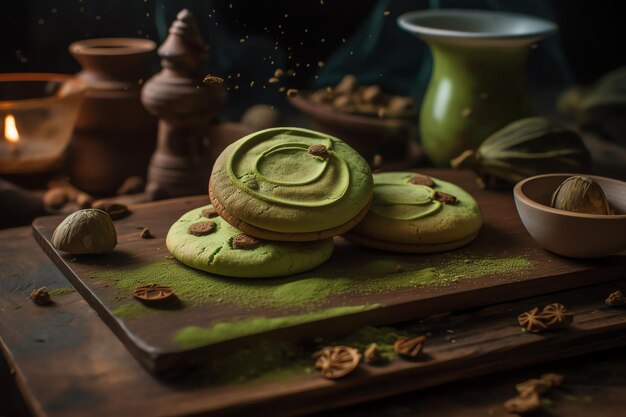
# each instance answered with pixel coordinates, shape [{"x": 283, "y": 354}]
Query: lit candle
[{"x": 11, "y": 135}]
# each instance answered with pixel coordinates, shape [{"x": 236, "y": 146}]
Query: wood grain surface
[
  {"x": 150, "y": 338},
  {"x": 67, "y": 363}
]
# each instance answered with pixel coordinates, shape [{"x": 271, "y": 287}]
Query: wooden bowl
[
  {"x": 392, "y": 138},
  {"x": 576, "y": 235}
]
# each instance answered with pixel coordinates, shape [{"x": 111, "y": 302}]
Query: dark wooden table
[{"x": 64, "y": 361}]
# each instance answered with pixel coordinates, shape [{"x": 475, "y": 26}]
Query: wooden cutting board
[{"x": 469, "y": 277}]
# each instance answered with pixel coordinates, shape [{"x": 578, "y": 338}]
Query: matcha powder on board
[{"x": 312, "y": 289}]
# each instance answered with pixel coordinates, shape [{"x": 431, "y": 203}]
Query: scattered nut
[
  {"x": 445, "y": 198},
  {"x": 523, "y": 404},
  {"x": 409, "y": 347},
  {"x": 529, "y": 391},
  {"x": 532, "y": 321},
  {"x": 372, "y": 355},
  {"x": 615, "y": 299},
  {"x": 40, "y": 296},
  {"x": 553, "y": 316},
  {"x": 213, "y": 80},
  {"x": 292, "y": 92},
  {"x": 273, "y": 80},
  {"x": 153, "y": 292},
  {"x": 424, "y": 180},
  {"x": 319, "y": 150},
  {"x": 202, "y": 228},
  {"x": 556, "y": 316},
  {"x": 337, "y": 361},
  {"x": 145, "y": 233},
  {"x": 278, "y": 72},
  {"x": 244, "y": 241}
]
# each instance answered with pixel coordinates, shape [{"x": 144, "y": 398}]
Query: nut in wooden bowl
[{"x": 572, "y": 234}]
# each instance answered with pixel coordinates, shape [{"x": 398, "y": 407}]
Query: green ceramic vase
[{"x": 478, "y": 83}]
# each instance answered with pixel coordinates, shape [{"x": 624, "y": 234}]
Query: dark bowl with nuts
[{"x": 372, "y": 122}]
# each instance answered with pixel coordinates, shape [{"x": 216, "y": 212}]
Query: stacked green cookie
[
  {"x": 415, "y": 213},
  {"x": 291, "y": 184},
  {"x": 203, "y": 240}
]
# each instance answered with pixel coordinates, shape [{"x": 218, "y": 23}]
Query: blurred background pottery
[
  {"x": 576, "y": 235},
  {"x": 478, "y": 84},
  {"x": 393, "y": 138},
  {"x": 115, "y": 135},
  {"x": 37, "y": 116}
]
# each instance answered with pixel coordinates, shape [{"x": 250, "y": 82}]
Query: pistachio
[
  {"x": 580, "y": 195},
  {"x": 85, "y": 231},
  {"x": 422, "y": 180}
]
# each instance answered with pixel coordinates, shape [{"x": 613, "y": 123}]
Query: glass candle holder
[{"x": 37, "y": 116}]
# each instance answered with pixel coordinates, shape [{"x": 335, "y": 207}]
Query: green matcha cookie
[
  {"x": 202, "y": 240},
  {"x": 291, "y": 184},
  {"x": 417, "y": 214}
]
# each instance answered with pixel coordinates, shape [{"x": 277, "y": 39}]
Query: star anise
[
  {"x": 153, "y": 292},
  {"x": 555, "y": 315},
  {"x": 409, "y": 347},
  {"x": 337, "y": 361},
  {"x": 532, "y": 321}
]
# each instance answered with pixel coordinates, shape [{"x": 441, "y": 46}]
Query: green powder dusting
[
  {"x": 61, "y": 291},
  {"x": 312, "y": 289},
  {"x": 279, "y": 361},
  {"x": 384, "y": 337},
  {"x": 194, "y": 336}
]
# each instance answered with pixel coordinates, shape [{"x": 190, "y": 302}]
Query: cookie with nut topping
[
  {"x": 202, "y": 240},
  {"x": 291, "y": 184},
  {"x": 415, "y": 213}
]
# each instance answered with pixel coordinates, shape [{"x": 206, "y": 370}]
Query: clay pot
[
  {"x": 392, "y": 138},
  {"x": 114, "y": 136}
]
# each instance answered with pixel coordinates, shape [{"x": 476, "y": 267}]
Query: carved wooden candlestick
[{"x": 185, "y": 107}]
